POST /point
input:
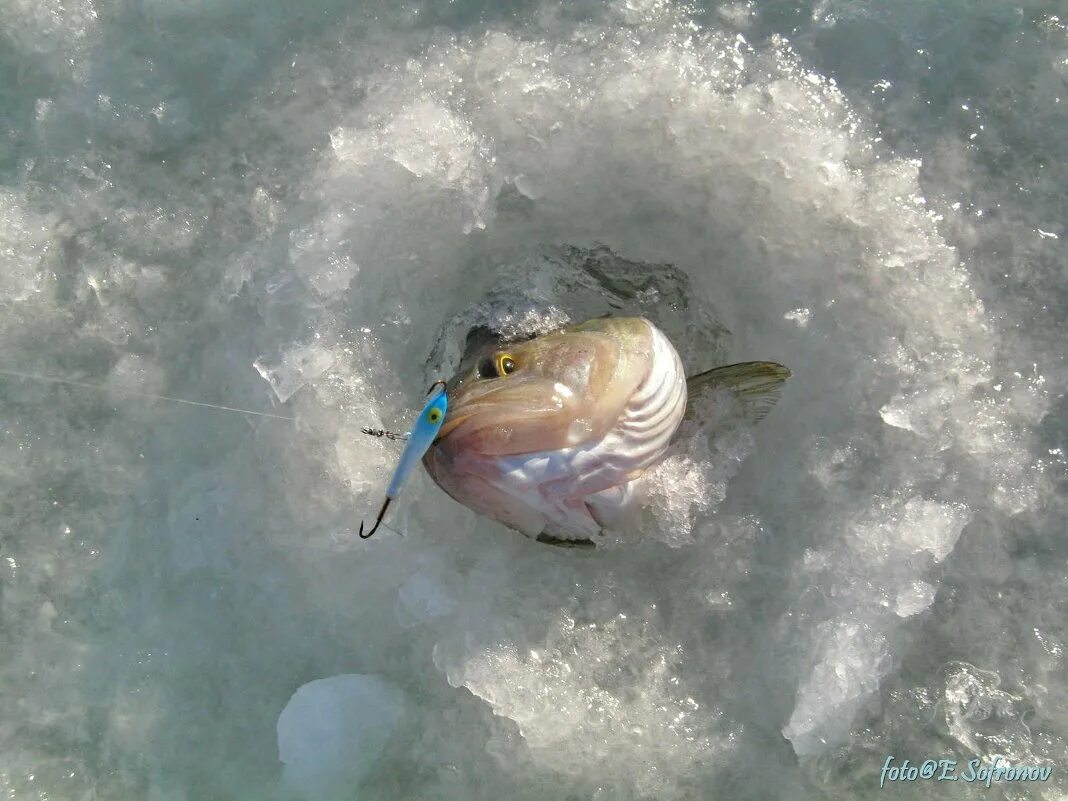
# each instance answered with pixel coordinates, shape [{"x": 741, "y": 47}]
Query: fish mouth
[
  {"x": 450, "y": 424},
  {"x": 476, "y": 399}
]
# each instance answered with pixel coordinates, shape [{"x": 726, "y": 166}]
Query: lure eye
[{"x": 434, "y": 416}]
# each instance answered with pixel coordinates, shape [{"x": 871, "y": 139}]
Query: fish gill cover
[{"x": 197, "y": 196}]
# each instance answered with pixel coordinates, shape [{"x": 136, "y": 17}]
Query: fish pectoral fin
[{"x": 756, "y": 385}]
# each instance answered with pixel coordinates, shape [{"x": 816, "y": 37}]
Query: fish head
[
  {"x": 553, "y": 391},
  {"x": 521, "y": 413}
]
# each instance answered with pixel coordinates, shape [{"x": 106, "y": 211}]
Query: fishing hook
[{"x": 374, "y": 528}]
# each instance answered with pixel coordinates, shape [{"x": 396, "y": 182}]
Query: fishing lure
[{"x": 422, "y": 436}]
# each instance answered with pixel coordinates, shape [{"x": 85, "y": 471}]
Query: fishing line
[{"x": 85, "y": 385}]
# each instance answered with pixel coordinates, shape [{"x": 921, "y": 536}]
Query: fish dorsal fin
[{"x": 756, "y": 385}]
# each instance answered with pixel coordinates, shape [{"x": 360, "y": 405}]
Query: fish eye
[
  {"x": 497, "y": 366},
  {"x": 505, "y": 364}
]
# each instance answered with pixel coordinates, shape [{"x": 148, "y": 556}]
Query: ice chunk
[
  {"x": 900, "y": 527},
  {"x": 914, "y": 598},
  {"x": 799, "y": 316},
  {"x": 320, "y": 253},
  {"x": 333, "y": 731},
  {"x": 294, "y": 368},
  {"x": 433, "y": 143},
  {"x": 932, "y": 527},
  {"x": 854, "y": 660},
  {"x": 526, "y": 186}
]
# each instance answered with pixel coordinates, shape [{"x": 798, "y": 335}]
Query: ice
[
  {"x": 305, "y": 208},
  {"x": 915, "y": 598},
  {"x": 692, "y": 480},
  {"x": 555, "y": 286},
  {"x": 333, "y": 731},
  {"x": 985, "y": 718},
  {"x": 319, "y": 254},
  {"x": 423, "y": 597},
  {"x": 854, "y": 658},
  {"x": 799, "y": 316},
  {"x": 26, "y": 240},
  {"x": 296, "y": 366},
  {"x": 598, "y": 691}
]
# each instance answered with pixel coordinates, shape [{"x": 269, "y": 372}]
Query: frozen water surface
[{"x": 198, "y": 196}]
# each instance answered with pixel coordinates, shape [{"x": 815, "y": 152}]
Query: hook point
[{"x": 378, "y": 521}]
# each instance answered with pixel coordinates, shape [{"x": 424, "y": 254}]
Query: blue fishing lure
[{"x": 422, "y": 436}]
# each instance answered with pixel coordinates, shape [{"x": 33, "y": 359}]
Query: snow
[
  {"x": 301, "y": 208},
  {"x": 333, "y": 731}
]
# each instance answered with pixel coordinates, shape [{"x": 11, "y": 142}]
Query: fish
[{"x": 552, "y": 436}]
